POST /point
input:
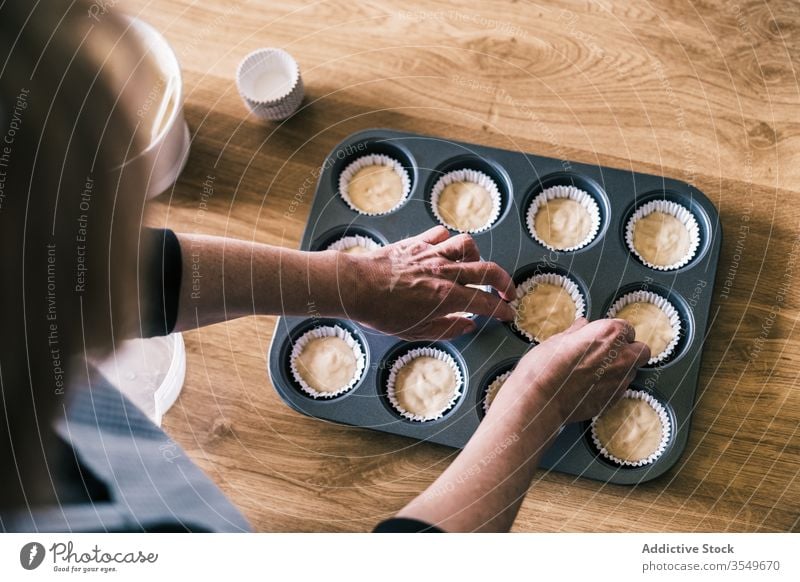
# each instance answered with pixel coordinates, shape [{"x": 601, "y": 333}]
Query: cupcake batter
[
  {"x": 465, "y": 206},
  {"x": 425, "y": 386},
  {"x": 327, "y": 364},
  {"x": 630, "y": 430},
  {"x": 545, "y": 310},
  {"x": 562, "y": 223},
  {"x": 661, "y": 239},
  {"x": 375, "y": 189},
  {"x": 651, "y": 324}
]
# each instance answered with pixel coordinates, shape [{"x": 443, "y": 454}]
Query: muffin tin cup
[
  {"x": 323, "y": 332},
  {"x": 258, "y": 63},
  {"x": 666, "y": 432},
  {"x": 373, "y": 160},
  {"x": 474, "y": 177},
  {"x": 683, "y": 214},
  {"x": 346, "y": 243},
  {"x": 551, "y": 279},
  {"x": 564, "y": 192},
  {"x": 604, "y": 270},
  {"x": 493, "y": 388},
  {"x": 665, "y": 306},
  {"x": 406, "y": 359}
]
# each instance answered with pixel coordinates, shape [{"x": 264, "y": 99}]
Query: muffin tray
[{"x": 604, "y": 270}]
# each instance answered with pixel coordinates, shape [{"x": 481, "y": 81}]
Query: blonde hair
[{"x": 69, "y": 217}]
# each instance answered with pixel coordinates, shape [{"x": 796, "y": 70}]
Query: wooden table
[{"x": 704, "y": 92}]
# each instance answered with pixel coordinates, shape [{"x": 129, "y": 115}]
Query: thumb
[{"x": 576, "y": 325}]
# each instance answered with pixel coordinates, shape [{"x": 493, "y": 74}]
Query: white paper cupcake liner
[
  {"x": 571, "y": 192},
  {"x": 553, "y": 279},
  {"x": 404, "y": 360},
  {"x": 278, "y": 112},
  {"x": 475, "y": 177},
  {"x": 664, "y": 305},
  {"x": 493, "y": 388},
  {"x": 666, "y": 430},
  {"x": 320, "y": 332},
  {"x": 357, "y": 240},
  {"x": 373, "y": 160},
  {"x": 673, "y": 209},
  {"x": 255, "y": 64}
]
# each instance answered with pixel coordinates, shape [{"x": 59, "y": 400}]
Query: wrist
[
  {"x": 352, "y": 282},
  {"x": 536, "y": 400},
  {"x": 325, "y": 284}
]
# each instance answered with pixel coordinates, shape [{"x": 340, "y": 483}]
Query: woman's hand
[
  {"x": 567, "y": 378},
  {"x": 416, "y": 288},
  {"x": 576, "y": 373}
]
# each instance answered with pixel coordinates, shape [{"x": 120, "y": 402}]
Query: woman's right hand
[
  {"x": 567, "y": 378},
  {"x": 578, "y": 372}
]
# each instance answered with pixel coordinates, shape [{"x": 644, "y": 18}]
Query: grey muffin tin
[{"x": 604, "y": 270}]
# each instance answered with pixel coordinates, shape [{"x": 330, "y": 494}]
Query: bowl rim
[{"x": 177, "y": 112}]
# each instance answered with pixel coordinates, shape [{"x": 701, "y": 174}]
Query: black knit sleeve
[
  {"x": 404, "y": 525},
  {"x": 160, "y": 281}
]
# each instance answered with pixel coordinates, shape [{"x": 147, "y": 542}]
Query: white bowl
[
  {"x": 163, "y": 160},
  {"x": 149, "y": 371}
]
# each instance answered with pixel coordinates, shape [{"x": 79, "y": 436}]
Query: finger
[
  {"x": 576, "y": 325},
  {"x": 432, "y": 236},
  {"x": 485, "y": 273},
  {"x": 642, "y": 352},
  {"x": 625, "y": 330},
  {"x": 480, "y": 303},
  {"x": 459, "y": 248},
  {"x": 459, "y": 322}
]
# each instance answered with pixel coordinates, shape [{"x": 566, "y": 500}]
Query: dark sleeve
[
  {"x": 160, "y": 267},
  {"x": 404, "y": 525}
]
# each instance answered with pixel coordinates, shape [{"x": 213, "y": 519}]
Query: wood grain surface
[{"x": 702, "y": 91}]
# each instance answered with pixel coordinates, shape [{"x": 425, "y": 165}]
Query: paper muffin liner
[
  {"x": 664, "y": 305},
  {"x": 256, "y": 63},
  {"x": 321, "y": 332},
  {"x": 494, "y": 387},
  {"x": 475, "y": 177},
  {"x": 356, "y": 240},
  {"x": 553, "y": 279},
  {"x": 673, "y": 209},
  {"x": 278, "y": 112},
  {"x": 582, "y": 197},
  {"x": 406, "y": 359},
  {"x": 373, "y": 160},
  {"x": 666, "y": 430}
]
